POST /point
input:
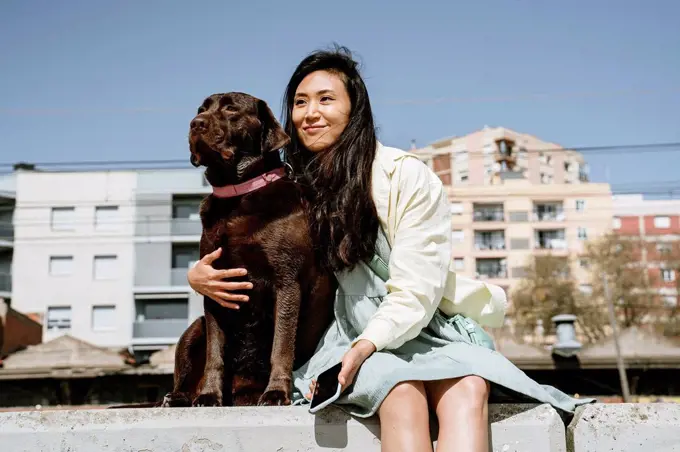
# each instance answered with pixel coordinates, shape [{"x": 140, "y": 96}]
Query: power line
[
  {"x": 184, "y": 163},
  {"x": 22, "y": 111}
]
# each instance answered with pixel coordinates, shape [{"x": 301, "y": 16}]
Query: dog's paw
[
  {"x": 274, "y": 397},
  {"x": 208, "y": 399},
  {"x": 175, "y": 399}
]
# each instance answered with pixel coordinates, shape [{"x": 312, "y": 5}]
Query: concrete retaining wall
[{"x": 514, "y": 428}]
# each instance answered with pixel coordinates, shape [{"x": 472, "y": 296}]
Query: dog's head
[{"x": 231, "y": 127}]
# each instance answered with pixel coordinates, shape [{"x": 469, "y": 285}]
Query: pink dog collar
[{"x": 230, "y": 191}]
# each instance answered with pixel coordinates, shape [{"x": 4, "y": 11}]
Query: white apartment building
[{"x": 103, "y": 255}]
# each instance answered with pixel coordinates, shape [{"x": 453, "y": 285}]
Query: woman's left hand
[{"x": 353, "y": 360}]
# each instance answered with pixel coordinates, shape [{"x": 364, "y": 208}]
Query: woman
[{"x": 397, "y": 348}]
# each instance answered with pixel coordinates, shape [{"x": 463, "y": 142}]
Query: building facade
[
  {"x": 480, "y": 157},
  {"x": 656, "y": 223},
  {"x": 514, "y": 196},
  {"x": 104, "y": 254}
]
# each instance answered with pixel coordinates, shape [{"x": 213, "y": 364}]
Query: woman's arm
[
  {"x": 204, "y": 279},
  {"x": 419, "y": 260}
]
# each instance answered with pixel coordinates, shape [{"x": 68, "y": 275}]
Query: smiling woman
[{"x": 321, "y": 110}]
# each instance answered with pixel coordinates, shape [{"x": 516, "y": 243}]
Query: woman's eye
[
  {"x": 299, "y": 102},
  {"x": 326, "y": 99}
]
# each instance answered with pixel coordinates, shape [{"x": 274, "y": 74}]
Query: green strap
[{"x": 379, "y": 267}]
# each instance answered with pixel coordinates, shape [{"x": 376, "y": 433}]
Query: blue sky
[{"x": 119, "y": 80}]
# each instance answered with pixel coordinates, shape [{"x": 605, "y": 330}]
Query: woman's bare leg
[
  {"x": 462, "y": 409},
  {"x": 405, "y": 420}
]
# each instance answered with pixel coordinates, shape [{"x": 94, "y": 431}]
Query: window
[
  {"x": 186, "y": 207},
  {"x": 616, "y": 223},
  {"x": 580, "y": 205},
  {"x": 63, "y": 218},
  {"x": 663, "y": 248},
  {"x": 58, "y": 317},
  {"x": 457, "y": 236},
  {"x": 463, "y": 176},
  {"x": 668, "y": 275},
  {"x": 670, "y": 301},
  {"x": 457, "y": 208},
  {"x": 586, "y": 289},
  {"x": 662, "y": 222},
  {"x": 61, "y": 265},
  {"x": 183, "y": 256},
  {"x": 103, "y": 318},
  {"x": 105, "y": 267},
  {"x": 106, "y": 218},
  {"x": 459, "y": 264},
  {"x": 582, "y": 234}
]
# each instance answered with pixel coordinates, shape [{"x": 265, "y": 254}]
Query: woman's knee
[
  {"x": 470, "y": 392},
  {"x": 407, "y": 394},
  {"x": 474, "y": 388}
]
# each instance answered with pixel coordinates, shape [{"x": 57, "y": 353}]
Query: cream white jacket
[{"x": 417, "y": 219}]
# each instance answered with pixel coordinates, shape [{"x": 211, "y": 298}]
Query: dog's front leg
[
  {"x": 210, "y": 393},
  {"x": 287, "y": 308}
]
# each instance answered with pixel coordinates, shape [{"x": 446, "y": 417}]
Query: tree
[
  {"x": 549, "y": 289},
  {"x": 631, "y": 287},
  {"x": 669, "y": 258}
]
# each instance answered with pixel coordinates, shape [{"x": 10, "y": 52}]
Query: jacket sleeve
[{"x": 419, "y": 259}]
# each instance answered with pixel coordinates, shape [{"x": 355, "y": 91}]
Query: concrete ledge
[
  {"x": 625, "y": 427},
  {"x": 514, "y": 428}
]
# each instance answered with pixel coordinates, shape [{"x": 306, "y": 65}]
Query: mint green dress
[{"x": 441, "y": 351}]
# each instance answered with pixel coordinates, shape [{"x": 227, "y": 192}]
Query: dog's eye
[{"x": 231, "y": 108}]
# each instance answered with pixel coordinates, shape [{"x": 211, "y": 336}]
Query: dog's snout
[{"x": 199, "y": 123}]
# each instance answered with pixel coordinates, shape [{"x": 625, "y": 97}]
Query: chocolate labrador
[{"x": 257, "y": 215}]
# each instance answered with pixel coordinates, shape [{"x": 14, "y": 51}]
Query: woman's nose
[{"x": 312, "y": 110}]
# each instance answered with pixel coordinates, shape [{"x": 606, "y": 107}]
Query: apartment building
[
  {"x": 479, "y": 158},
  {"x": 498, "y": 228},
  {"x": 657, "y": 224},
  {"x": 104, "y": 254},
  {"x": 514, "y": 196},
  {"x": 7, "y": 193}
]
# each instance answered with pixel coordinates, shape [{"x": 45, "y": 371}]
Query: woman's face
[{"x": 321, "y": 110}]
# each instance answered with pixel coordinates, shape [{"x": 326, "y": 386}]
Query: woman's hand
[
  {"x": 351, "y": 363},
  {"x": 353, "y": 360},
  {"x": 204, "y": 279}
]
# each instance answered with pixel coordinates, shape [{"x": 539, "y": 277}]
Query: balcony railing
[
  {"x": 5, "y": 282},
  {"x": 159, "y": 328},
  {"x": 178, "y": 277},
  {"x": 6, "y": 231},
  {"x": 551, "y": 244},
  {"x": 489, "y": 245},
  {"x": 486, "y": 273},
  {"x": 489, "y": 215},
  {"x": 186, "y": 226},
  {"x": 556, "y": 215}
]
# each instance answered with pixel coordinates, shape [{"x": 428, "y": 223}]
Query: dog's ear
[{"x": 273, "y": 136}]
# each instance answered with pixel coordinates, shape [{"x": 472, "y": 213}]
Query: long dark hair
[{"x": 343, "y": 218}]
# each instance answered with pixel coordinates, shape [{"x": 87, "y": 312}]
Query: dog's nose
[{"x": 198, "y": 124}]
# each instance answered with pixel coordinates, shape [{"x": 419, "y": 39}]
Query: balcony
[
  {"x": 6, "y": 233},
  {"x": 550, "y": 240},
  {"x": 491, "y": 269},
  {"x": 548, "y": 212},
  {"x": 489, "y": 212},
  {"x": 489, "y": 240},
  {"x": 166, "y": 329},
  {"x": 186, "y": 226},
  {"x": 5, "y": 282},
  {"x": 178, "y": 277}
]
